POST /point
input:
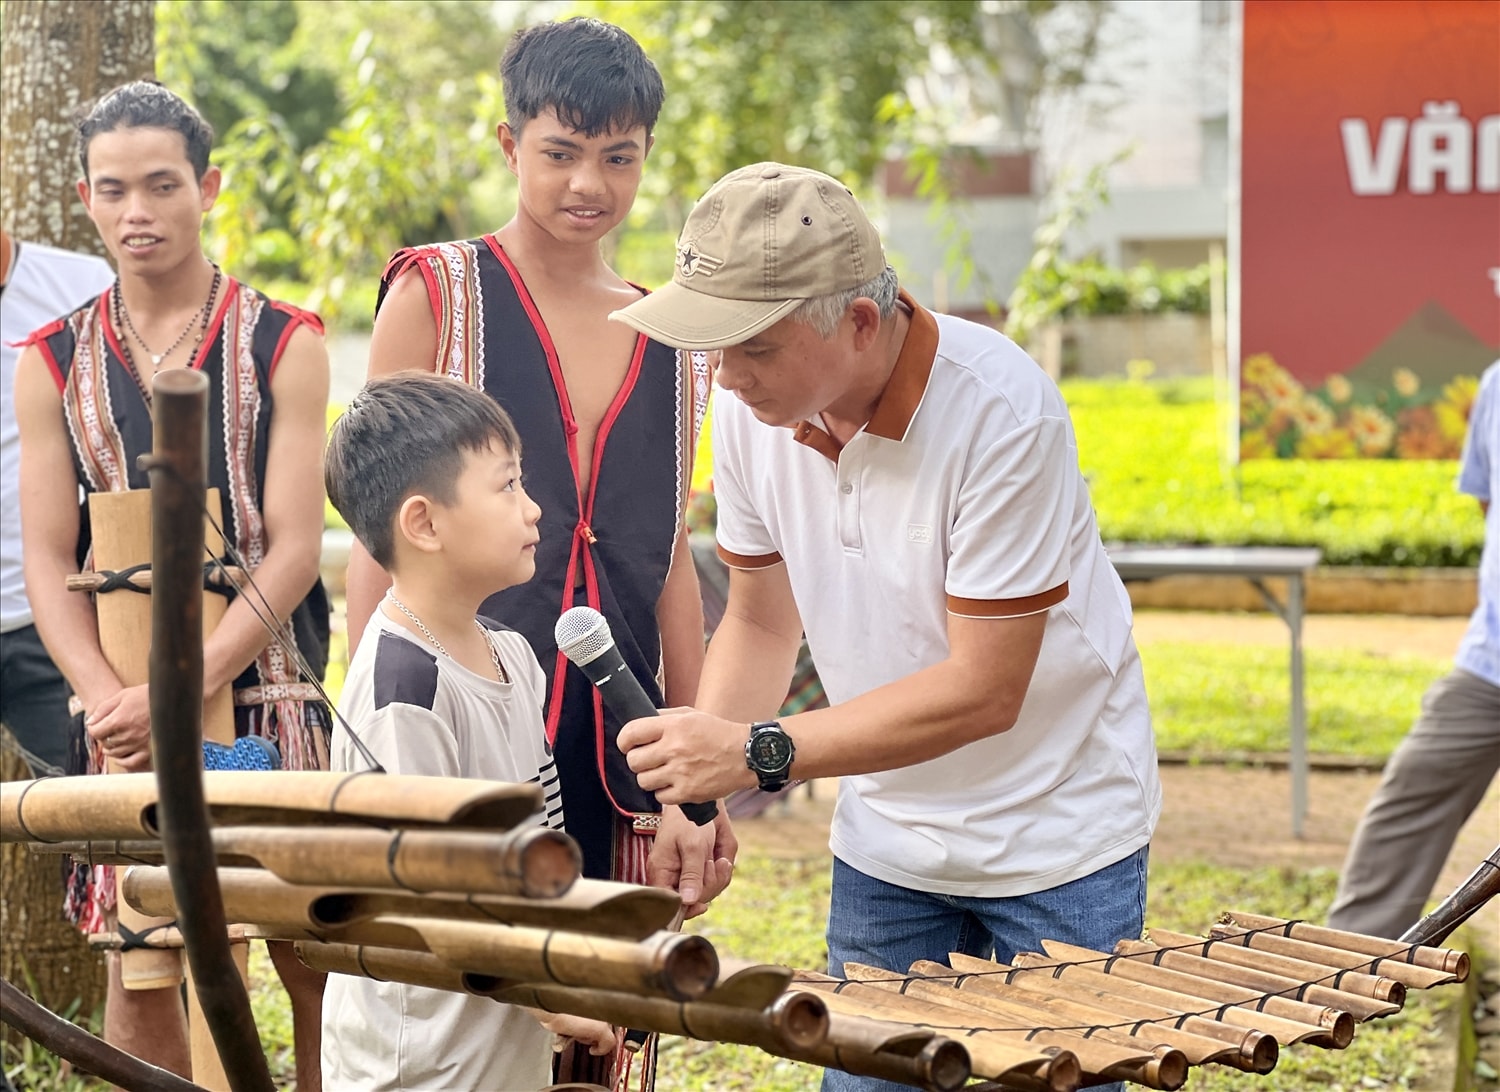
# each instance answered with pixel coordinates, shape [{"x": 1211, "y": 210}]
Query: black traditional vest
[
  {"x": 609, "y": 549},
  {"x": 109, "y": 425}
]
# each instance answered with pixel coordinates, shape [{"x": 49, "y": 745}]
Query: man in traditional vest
[{"x": 84, "y": 406}]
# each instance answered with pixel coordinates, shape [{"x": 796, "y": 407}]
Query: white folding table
[{"x": 1255, "y": 564}]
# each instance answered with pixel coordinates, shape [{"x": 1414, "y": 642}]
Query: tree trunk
[{"x": 56, "y": 56}]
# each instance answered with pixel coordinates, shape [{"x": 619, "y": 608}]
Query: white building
[{"x": 1157, "y": 100}]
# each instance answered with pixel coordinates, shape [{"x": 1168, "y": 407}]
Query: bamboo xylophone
[{"x": 434, "y": 882}]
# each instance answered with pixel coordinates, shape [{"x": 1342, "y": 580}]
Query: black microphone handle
[{"x": 622, "y": 692}]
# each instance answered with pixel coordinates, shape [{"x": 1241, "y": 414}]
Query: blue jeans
[{"x": 883, "y": 925}]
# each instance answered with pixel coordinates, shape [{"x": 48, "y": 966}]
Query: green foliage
[
  {"x": 346, "y": 131},
  {"x": 1151, "y": 454},
  {"x": 803, "y": 83},
  {"x": 1223, "y": 700},
  {"x": 349, "y": 129},
  {"x": 1089, "y": 287}
]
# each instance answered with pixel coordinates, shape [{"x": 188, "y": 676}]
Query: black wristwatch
[{"x": 768, "y": 753}]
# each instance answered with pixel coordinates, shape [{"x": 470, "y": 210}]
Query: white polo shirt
[{"x": 962, "y": 495}]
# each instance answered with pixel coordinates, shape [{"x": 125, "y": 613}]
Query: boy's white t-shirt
[{"x": 420, "y": 712}]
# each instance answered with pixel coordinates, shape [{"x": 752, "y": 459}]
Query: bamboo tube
[
  {"x": 794, "y": 1021},
  {"x": 1406, "y": 973},
  {"x": 170, "y": 937},
  {"x": 993, "y": 1055},
  {"x": 110, "y": 851},
  {"x": 1267, "y": 985},
  {"x": 679, "y": 966},
  {"x": 225, "y": 576},
  {"x": 748, "y": 985},
  {"x": 890, "y": 1052},
  {"x": 1200, "y": 1039},
  {"x": 1369, "y": 986},
  {"x": 58, "y": 809},
  {"x": 1289, "y": 1020},
  {"x": 533, "y": 861},
  {"x": 120, "y": 531},
  {"x": 394, "y": 965},
  {"x": 592, "y": 906},
  {"x": 208, "y": 1068},
  {"x": 1438, "y": 959},
  {"x": 1104, "y": 1052}
]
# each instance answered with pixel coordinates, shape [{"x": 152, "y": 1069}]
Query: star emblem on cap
[{"x": 691, "y": 261}]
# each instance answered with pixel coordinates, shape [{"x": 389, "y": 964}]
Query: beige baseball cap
[{"x": 762, "y": 240}]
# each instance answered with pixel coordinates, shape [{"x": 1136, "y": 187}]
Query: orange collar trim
[{"x": 903, "y": 392}]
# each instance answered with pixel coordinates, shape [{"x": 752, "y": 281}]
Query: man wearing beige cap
[{"x": 905, "y": 487}]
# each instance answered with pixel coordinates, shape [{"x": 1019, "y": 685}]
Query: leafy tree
[{"x": 346, "y": 130}]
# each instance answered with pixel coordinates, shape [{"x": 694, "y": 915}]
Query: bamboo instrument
[
  {"x": 1200, "y": 1039},
  {"x": 59, "y": 809},
  {"x": 120, "y": 529},
  {"x": 1407, "y": 974},
  {"x": 537, "y": 862},
  {"x": 121, "y": 537},
  {"x": 1105, "y": 1052},
  {"x": 993, "y": 1055},
  {"x": 1289, "y": 1020},
  {"x": 1259, "y": 984},
  {"x": 592, "y": 906},
  {"x": 226, "y": 576},
  {"x": 1438, "y": 959}
]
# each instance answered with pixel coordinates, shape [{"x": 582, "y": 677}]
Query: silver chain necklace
[{"x": 494, "y": 651}]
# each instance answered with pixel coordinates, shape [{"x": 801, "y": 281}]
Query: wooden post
[{"x": 178, "y": 478}]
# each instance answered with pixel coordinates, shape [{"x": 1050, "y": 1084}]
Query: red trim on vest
[
  {"x": 299, "y": 318},
  {"x": 39, "y": 338},
  {"x": 583, "y": 535}
]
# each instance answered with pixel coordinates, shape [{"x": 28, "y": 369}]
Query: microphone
[{"x": 583, "y": 637}]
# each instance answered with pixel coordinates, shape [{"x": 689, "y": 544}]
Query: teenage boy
[
  {"x": 427, "y": 473},
  {"x": 608, "y": 419},
  {"x": 84, "y": 407},
  {"x": 905, "y": 487}
]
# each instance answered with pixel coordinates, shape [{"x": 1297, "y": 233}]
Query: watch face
[{"x": 770, "y": 751}]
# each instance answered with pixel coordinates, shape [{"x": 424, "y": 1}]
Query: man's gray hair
[{"x": 823, "y": 313}]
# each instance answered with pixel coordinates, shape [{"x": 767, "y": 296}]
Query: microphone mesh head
[{"x": 582, "y": 634}]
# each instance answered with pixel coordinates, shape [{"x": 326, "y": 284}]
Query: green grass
[
  {"x": 1152, "y": 454},
  {"x": 1215, "y": 699}
]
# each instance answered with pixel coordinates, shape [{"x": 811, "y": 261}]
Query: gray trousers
[{"x": 1433, "y": 782}]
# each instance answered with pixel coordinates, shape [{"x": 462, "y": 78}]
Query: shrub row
[{"x": 1152, "y": 455}]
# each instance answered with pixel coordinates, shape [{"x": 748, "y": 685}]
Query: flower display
[{"x": 1347, "y": 417}]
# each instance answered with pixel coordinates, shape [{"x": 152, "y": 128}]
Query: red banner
[{"x": 1369, "y": 269}]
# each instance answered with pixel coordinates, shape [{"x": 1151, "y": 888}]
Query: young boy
[
  {"x": 427, "y": 473},
  {"x": 83, "y": 404},
  {"x": 608, "y": 419}
]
